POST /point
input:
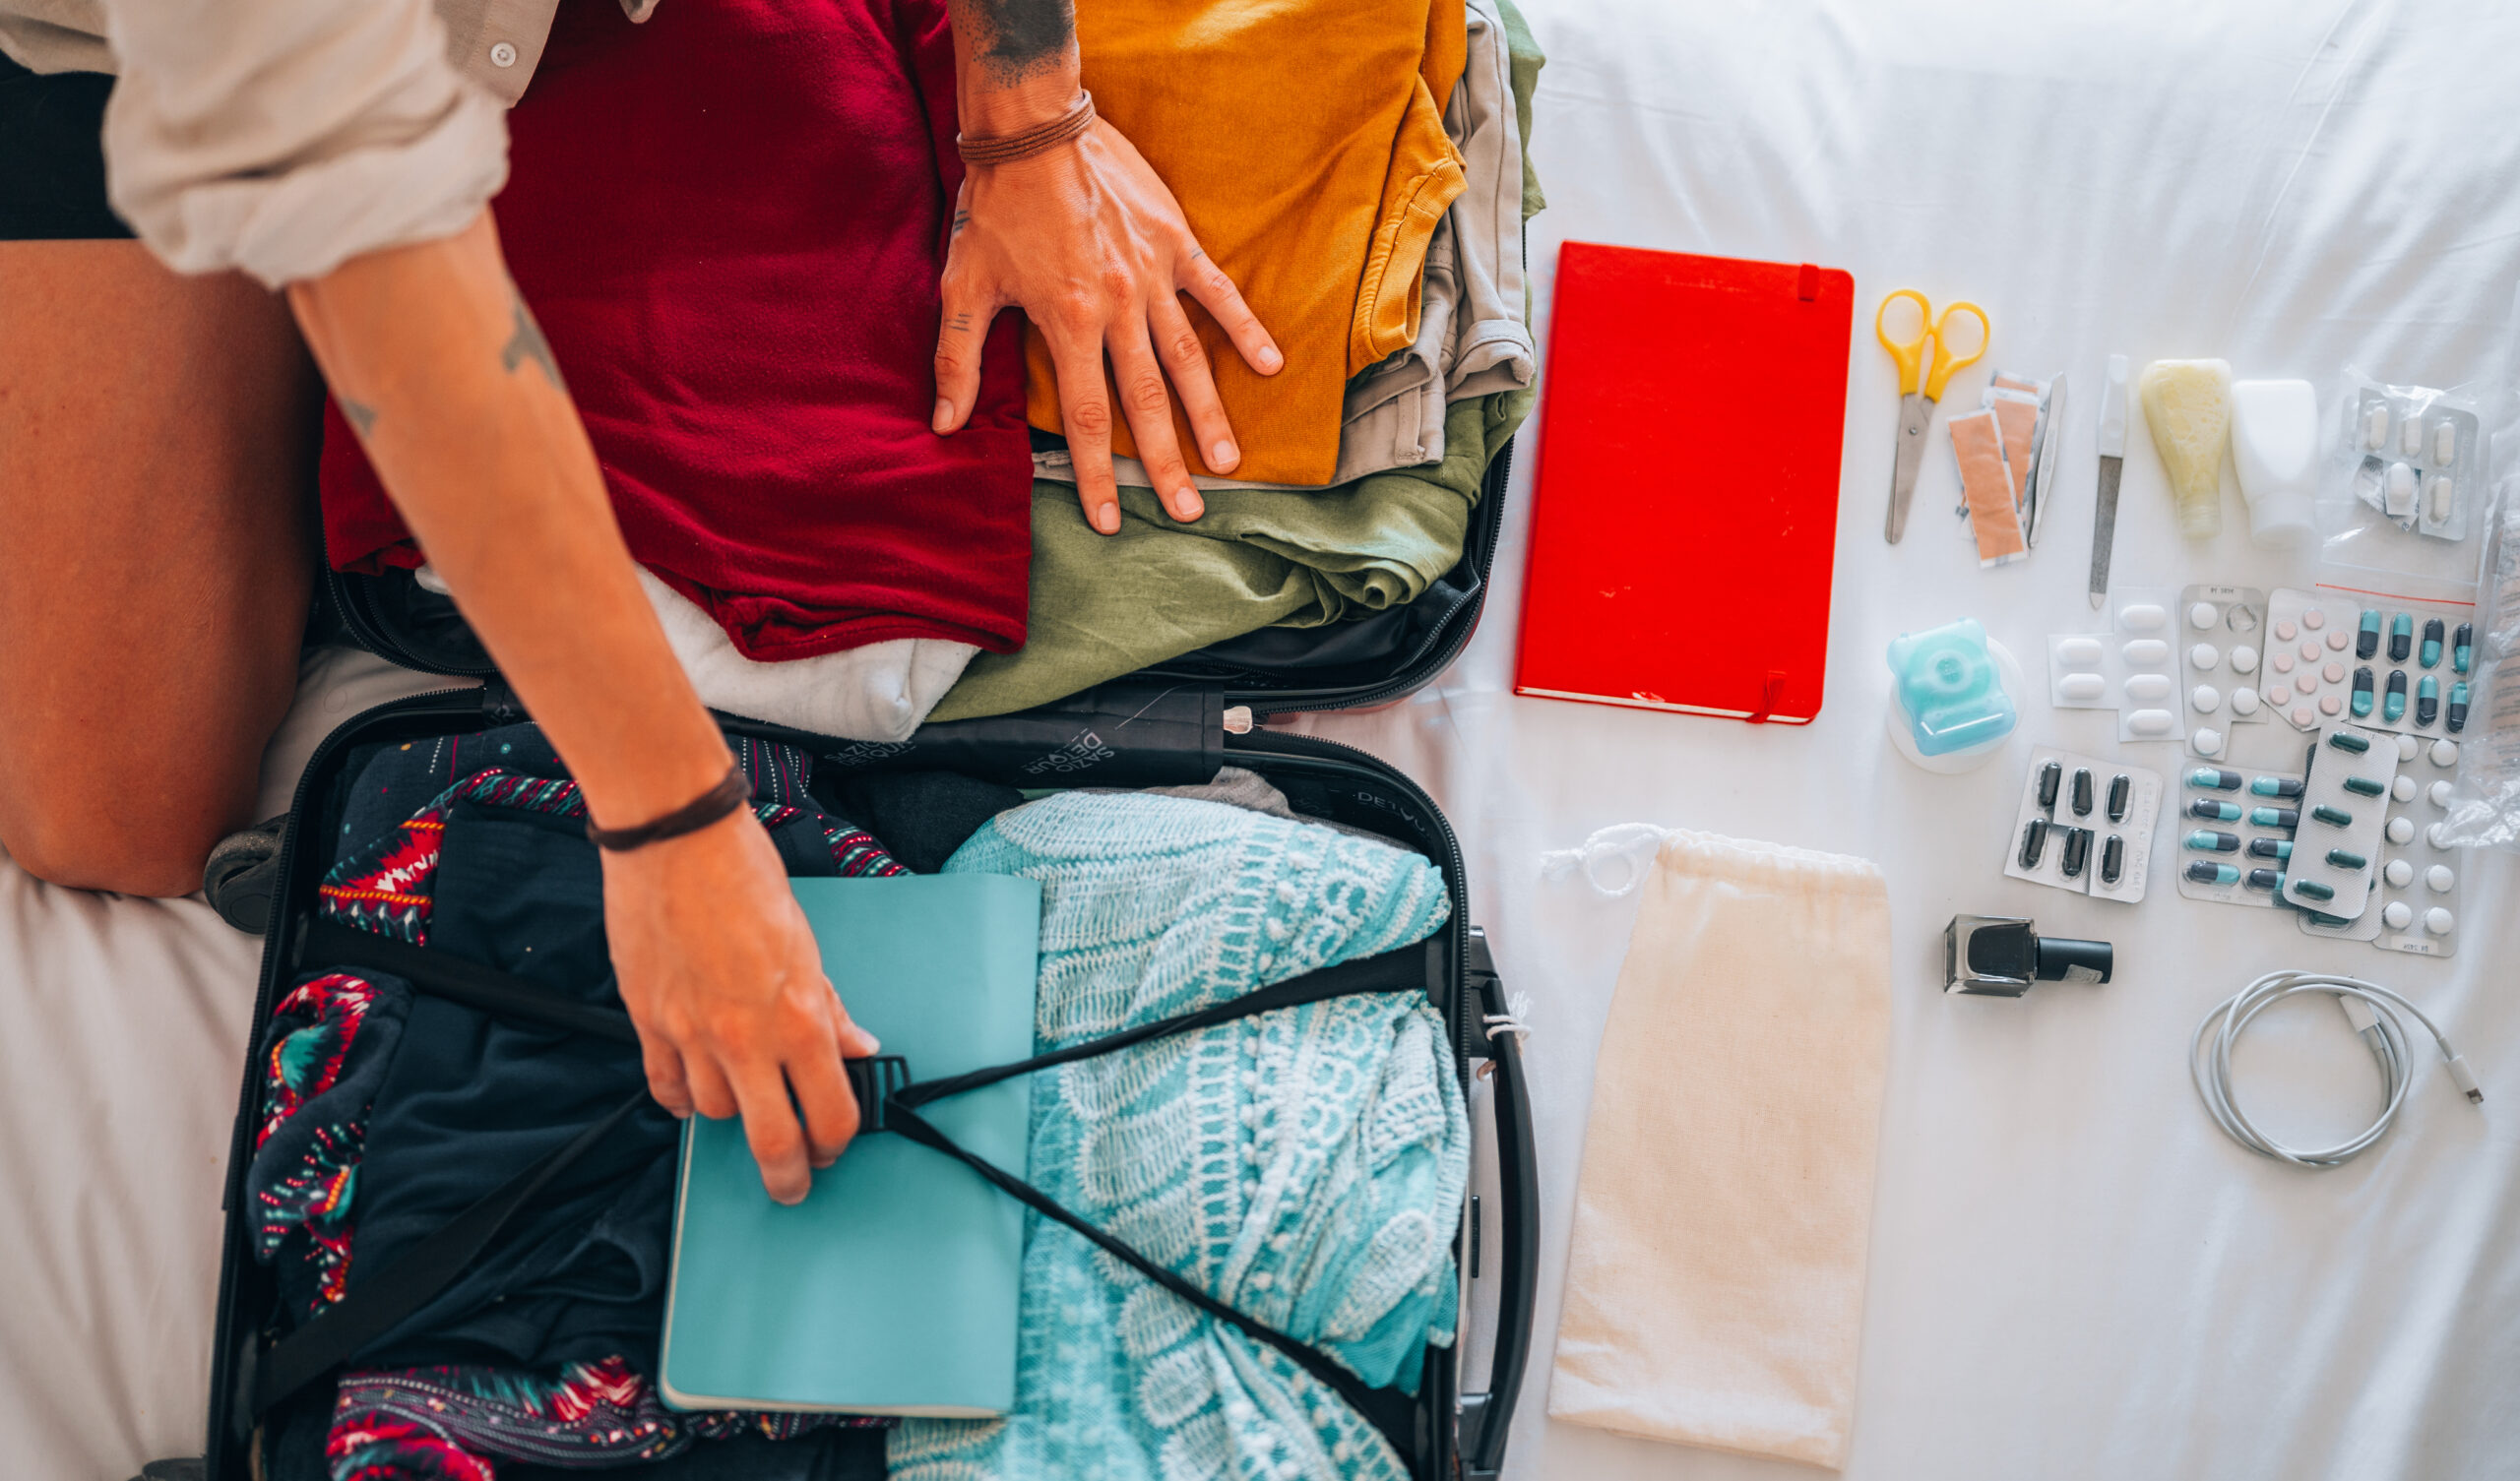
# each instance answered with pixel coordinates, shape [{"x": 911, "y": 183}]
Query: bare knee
[{"x": 94, "y": 840}]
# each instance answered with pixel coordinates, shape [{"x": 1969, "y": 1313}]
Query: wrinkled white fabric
[{"x": 1715, "y": 1276}]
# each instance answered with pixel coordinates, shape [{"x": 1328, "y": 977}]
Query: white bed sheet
[{"x": 2073, "y": 1274}]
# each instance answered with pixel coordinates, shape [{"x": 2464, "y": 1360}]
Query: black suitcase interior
[{"x": 1162, "y": 726}]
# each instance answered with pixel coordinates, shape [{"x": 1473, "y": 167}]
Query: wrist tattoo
[
  {"x": 1017, "y": 37},
  {"x": 361, "y": 414},
  {"x": 527, "y": 343}
]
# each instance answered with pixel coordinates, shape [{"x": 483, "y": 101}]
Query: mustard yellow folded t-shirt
[{"x": 1304, "y": 140}]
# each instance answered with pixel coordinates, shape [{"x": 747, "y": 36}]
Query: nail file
[{"x": 2112, "y": 464}]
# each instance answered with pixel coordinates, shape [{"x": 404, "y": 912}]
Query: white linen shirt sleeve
[{"x": 285, "y": 137}]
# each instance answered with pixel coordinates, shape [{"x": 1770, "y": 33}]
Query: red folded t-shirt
[{"x": 729, "y": 221}]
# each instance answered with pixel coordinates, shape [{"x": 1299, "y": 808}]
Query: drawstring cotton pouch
[{"x": 1715, "y": 1276}]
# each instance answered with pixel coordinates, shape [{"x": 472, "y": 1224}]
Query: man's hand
[
  {"x": 1093, "y": 249},
  {"x": 723, "y": 978}
]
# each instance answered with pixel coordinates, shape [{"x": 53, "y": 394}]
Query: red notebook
[{"x": 1686, "y": 516}]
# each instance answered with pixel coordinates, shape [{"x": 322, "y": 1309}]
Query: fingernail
[
  {"x": 1106, "y": 517},
  {"x": 1270, "y": 359},
  {"x": 680, "y": 1113},
  {"x": 1222, "y": 457},
  {"x": 944, "y": 415},
  {"x": 1189, "y": 504},
  {"x": 874, "y": 1045}
]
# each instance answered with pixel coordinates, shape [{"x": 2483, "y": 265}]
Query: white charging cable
[{"x": 2368, "y": 1007}]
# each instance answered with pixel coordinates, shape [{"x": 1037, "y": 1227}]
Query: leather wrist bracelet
[
  {"x": 710, "y": 806},
  {"x": 1004, "y": 148}
]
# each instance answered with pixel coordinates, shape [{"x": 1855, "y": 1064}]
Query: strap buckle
[{"x": 874, "y": 1081}]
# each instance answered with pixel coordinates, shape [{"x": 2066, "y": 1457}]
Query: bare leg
[{"x": 157, "y": 543}]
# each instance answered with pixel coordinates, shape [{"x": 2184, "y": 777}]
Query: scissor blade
[
  {"x": 2104, "y": 527},
  {"x": 1915, "y": 410}
]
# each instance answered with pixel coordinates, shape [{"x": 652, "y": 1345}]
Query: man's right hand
[{"x": 723, "y": 977}]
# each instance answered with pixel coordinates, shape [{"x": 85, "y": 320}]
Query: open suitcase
[{"x": 1172, "y": 725}]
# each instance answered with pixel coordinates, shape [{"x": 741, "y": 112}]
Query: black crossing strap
[
  {"x": 327, "y": 945},
  {"x": 336, "y": 1334}
]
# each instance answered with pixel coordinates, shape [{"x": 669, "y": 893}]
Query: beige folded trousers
[{"x": 1715, "y": 1279}]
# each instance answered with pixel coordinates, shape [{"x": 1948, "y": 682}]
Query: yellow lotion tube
[{"x": 2187, "y": 405}]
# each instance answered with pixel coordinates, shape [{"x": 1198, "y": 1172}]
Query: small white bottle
[{"x": 2275, "y": 438}]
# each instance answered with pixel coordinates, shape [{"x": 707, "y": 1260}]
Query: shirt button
[{"x": 502, "y": 55}]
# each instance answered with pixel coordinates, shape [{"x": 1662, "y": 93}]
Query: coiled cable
[{"x": 2371, "y": 1009}]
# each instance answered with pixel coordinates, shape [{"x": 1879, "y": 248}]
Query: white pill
[
  {"x": 2396, "y": 915},
  {"x": 2376, "y": 427},
  {"x": 2312, "y": 618},
  {"x": 2206, "y": 698},
  {"x": 2446, "y": 752},
  {"x": 2081, "y": 687},
  {"x": 2285, "y": 632},
  {"x": 2402, "y": 830},
  {"x": 2438, "y": 921},
  {"x": 2403, "y": 789},
  {"x": 2204, "y": 656},
  {"x": 2396, "y": 494},
  {"x": 2440, "y": 791},
  {"x": 2147, "y": 689},
  {"x": 2143, "y": 617},
  {"x": 2411, "y": 437},
  {"x": 2146, "y": 653},
  {"x": 2301, "y": 717},
  {"x": 2208, "y": 740},
  {"x": 2445, "y": 441},
  {"x": 2440, "y": 497},
  {"x": 2331, "y": 705},
  {"x": 2243, "y": 702},
  {"x": 2081, "y": 653},
  {"x": 2399, "y": 872},
  {"x": 2439, "y": 879},
  {"x": 2203, "y": 616},
  {"x": 2152, "y": 722},
  {"x": 2407, "y": 745},
  {"x": 2244, "y": 660},
  {"x": 2438, "y": 836}
]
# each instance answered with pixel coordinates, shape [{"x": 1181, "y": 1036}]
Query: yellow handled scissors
[{"x": 1925, "y": 363}]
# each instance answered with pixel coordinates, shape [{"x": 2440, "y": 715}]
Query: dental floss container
[
  {"x": 2275, "y": 435},
  {"x": 1951, "y": 704}
]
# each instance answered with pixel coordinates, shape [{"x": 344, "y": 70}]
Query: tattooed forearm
[
  {"x": 527, "y": 343},
  {"x": 1016, "y": 37},
  {"x": 361, "y": 414}
]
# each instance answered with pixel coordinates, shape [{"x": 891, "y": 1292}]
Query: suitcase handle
[{"x": 1486, "y": 1416}]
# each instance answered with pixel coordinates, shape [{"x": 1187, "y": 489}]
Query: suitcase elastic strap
[{"x": 888, "y": 1101}]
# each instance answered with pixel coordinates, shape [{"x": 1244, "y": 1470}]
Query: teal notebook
[{"x": 892, "y": 1288}]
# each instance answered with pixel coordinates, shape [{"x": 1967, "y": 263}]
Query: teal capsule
[
  {"x": 2207, "y": 840},
  {"x": 2427, "y": 699},
  {"x": 2322, "y": 918},
  {"x": 2457, "y": 718},
  {"x": 2346, "y": 858},
  {"x": 2271, "y": 848},
  {"x": 2350, "y": 740},
  {"x": 2266, "y": 879},
  {"x": 2401, "y": 636},
  {"x": 2363, "y": 691},
  {"x": 2273, "y": 816},
  {"x": 2333, "y": 816},
  {"x": 2431, "y": 653},
  {"x": 2393, "y": 708},
  {"x": 2215, "y": 777},
  {"x": 2276, "y": 786},
  {"x": 2365, "y": 787},
  {"x": 2463, "y": 651},
  {"x": 2367, "y": 639},
  {"x": 2314, "y": 890},
  {"x": 2207, "y": 872},
  {"x": 2214, "y": 810}
]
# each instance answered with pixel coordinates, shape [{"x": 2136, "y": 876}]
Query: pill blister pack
[
  {"x": 2419, "y": 460},
  {"x": 2345, "y": 806},
  {"x": 2234, "y": 833},
  {"x": 2222, "y": 629},
  {"x": 2397, "y": 665},
  {"x": 2416, "y": 904},
  {"x": 2084, "y": 826},
  {"x": 2132, "y": 669}
]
